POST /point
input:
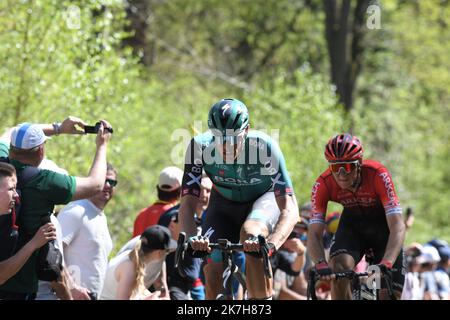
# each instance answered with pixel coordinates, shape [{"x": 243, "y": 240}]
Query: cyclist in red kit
[{"x": 371, "y": 220}]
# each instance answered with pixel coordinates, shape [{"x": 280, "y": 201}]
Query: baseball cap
[
  {"x": 429, "y": 254},
  {"x": 169, "y": 216},
  {"x": 27, "y": 136},
  {"x": 170, "y": 179},
  {"x": 442, "y": 247},
  {"x": 159, "y": 238}
]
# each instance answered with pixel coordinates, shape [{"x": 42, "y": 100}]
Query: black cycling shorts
[
  {"x": 224, "y": 218},
  {"x": 358, "y": 234}
]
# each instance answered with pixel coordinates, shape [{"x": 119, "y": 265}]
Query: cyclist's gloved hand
[
  {"x": 198, "y": 246},
  {"x": 385, "y": 267},
  {"x": 251, "y": 245},
  {"x": 323, "y": 269}
]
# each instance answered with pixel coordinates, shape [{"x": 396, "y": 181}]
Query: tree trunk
[
  {"x": 344, "y": 35},
  {"x": 138, "y": 12}
]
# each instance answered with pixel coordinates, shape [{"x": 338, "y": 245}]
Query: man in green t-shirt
[{"x": 25, "y": 147}]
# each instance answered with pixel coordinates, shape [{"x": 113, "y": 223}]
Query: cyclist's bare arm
[
  {"x": 287, "y": 220},
  {"x": 397, "y": 231},
  {"x": 93, "y": 183},
  {"x": 315, "y": 241},
  {"x": 188, "y": 204}
]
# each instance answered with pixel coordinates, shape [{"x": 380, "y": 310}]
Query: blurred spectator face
[
  {"x": 7, "y": 193},
  {"x": 424, "y": 267},
  {"x": 174, "y": 227},
  {"x": 205, "y": 192},
  {"x": 305, "y": 211},
  {"x": 413, "y": 266},
  {"x": 300, "y": 231}
]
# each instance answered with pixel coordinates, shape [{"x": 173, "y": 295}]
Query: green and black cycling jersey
[{"x": 259, "y": 168}]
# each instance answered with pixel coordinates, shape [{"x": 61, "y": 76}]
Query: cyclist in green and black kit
[{"x": 252, "y": 194}]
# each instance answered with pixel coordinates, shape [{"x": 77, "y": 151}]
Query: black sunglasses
[{"x": 111, "y": 182}]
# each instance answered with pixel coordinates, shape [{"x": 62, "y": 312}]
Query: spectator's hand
[
  {"x": 80, "y": 293},
  {"x": 295, "y": 245},
  {"x": 409, "y": 221},
  {"x": 44, "y": 234},
  {"x": 71, "y": 126},
  {"x": 103, "y": 136},
  {"x": 199, "y": 243}
]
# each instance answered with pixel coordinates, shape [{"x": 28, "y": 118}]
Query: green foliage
[
  {"x": 270, "y": 54},
  {"x": 55, "y": 65},
  {"x": 403, "y": 109}
]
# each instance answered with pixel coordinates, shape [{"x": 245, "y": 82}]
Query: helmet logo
[{"x": 224, "y": 109}]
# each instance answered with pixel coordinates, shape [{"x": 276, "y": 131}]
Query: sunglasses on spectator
[
  {"x": 111, "y": 182},
  {"x": 348, "y": 167}
]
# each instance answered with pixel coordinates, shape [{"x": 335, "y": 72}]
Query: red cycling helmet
[{"x": 343, "y": 147}]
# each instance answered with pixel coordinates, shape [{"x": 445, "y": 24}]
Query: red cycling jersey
[{"x": 376, "y": 193}]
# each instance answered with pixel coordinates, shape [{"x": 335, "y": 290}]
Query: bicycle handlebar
[
  {"x": 347, "y": 274},
  {"x": 224, "y": 245}
]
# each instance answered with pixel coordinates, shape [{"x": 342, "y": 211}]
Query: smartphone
[
  {"x": 94, "y": 129},
  {"x": 91, "y": 129}
]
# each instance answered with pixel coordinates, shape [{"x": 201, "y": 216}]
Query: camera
[{"x": 94, "y": 129}]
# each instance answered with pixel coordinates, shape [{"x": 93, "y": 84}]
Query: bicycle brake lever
[
  {"x": 179, "y": 252},
  {"x": 265, "y": 255}
]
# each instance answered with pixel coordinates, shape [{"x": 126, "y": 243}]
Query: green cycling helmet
[{"x": 228, "y": 114}]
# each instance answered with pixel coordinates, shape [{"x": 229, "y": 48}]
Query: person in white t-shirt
[
  {"x": 86, "y": 239},
  {"x": 124, "y": 278}
]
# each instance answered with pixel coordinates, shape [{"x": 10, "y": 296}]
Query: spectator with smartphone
[{"x": 25, "y": 146}]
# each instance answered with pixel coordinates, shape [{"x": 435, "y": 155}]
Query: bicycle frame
[{"x": 230, "y": 269}]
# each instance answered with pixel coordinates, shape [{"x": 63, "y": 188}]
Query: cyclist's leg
[
  {"x": 223, "y": 220},
  {"x": 260, "y": 221},
  {"x": 213, "y": 279},
  {"x": 346, "y": 251}
]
